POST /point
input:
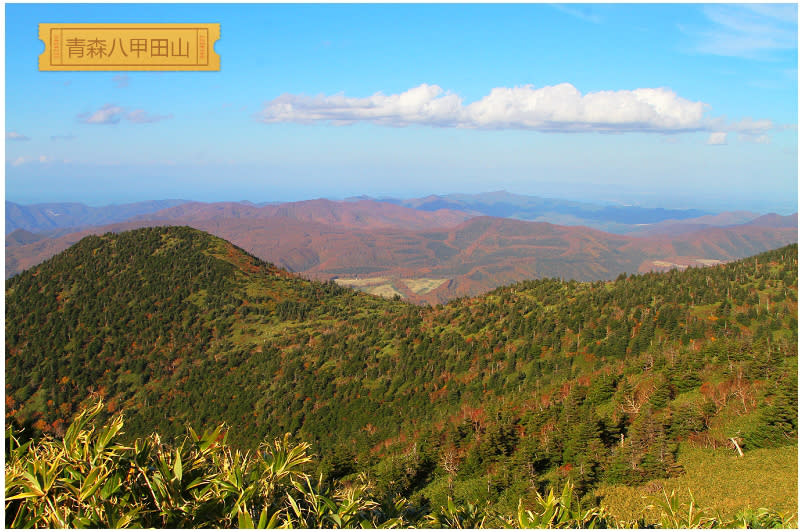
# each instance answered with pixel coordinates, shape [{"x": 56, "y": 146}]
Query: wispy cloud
[
  {"x": 139, "y": 116},
  {"x": 584, "y": 13},
  {"x": 559, "y": 108},
  {"x": 753, "y": 127},
  {"x": 751, "y": 31},
  {"x": 717, "y": 139},
  {"x": 121, "y": 81},
  {"x": 13, "y": 135},
  {"x": 112, "y": 114},
  {"x": 757, "y": 139},
  {"x": 108, "y": 114},
  {"x": 19, "y": 161}
]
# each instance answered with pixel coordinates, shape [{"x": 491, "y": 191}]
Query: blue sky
[{"x": 661, "y": 105}]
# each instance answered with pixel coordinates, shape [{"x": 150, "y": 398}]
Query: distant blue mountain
[
  {"x": 53, "y": 217},
  {"x": 506, "y": 205}
]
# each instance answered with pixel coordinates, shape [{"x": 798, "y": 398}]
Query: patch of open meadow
[{"x": 719, "y": 479}]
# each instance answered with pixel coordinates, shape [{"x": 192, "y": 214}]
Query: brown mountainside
[
  {"x": 775, "y": 220},
  {"x": 366, "y": 214},
  {"x": 383, "y": 249}
]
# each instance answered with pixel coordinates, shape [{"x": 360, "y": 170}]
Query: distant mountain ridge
[
  {"x": 44, "y": 217},
  {"x": 424, "y": 256},
  {"x": 423, "y": 249},
  {"x": 688, "y": 225},
  {"x": 611, "y": 218},
  {"x": 775, "y": 220},
  {"x": 363, "y": 214},
  {"x": 53, "y": 219},
  {"x": 56, "y": 219}
]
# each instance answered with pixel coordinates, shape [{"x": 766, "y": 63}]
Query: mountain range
[
  {"x": 425, "y": 251},
  {"x": 501, "y": 204}
]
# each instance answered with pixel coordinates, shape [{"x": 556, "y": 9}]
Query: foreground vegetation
[
  {"x": 719, "y": 479},
  {"x": 88, "y": 479},
  {"x": 485, "y": 401}
]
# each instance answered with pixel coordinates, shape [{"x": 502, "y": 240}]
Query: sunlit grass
[
  {"x": 423, "y": 285},
  {"x": 718, "y": 479}
]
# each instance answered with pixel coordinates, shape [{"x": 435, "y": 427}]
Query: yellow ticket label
[{"x": 129, "y": 46}]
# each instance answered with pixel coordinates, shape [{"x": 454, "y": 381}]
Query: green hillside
[{"x": 485, "y": 399}]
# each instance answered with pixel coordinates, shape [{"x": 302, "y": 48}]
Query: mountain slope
[
  {"x": 128, "y": 314},
  {"x": 775, "y": 220},
  {"x": 528, "y": 385},
  {"x": 688, "y": 225}
]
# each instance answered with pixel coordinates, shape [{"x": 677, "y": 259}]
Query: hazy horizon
[{"x": 652, "y": 201}]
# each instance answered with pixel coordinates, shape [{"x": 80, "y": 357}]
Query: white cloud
[
  {"x": 563, "y": 108},
  {"x": 13, "y": 135},
  {"x": 718, "y": 138},
  {"x": 112, "y": 114},
  {"x": 559, "y": 108},
  {"x": 19, "y": 161},
  {"x": 421, "y": 105},
  {"x": 42, "y": 158}
]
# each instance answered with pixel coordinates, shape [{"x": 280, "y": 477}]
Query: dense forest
[{"x": 531, "y": 387}]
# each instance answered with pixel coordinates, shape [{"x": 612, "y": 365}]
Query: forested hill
[
  {"x": 155, "y": 317},
  {"x": 527, "y": 385}
]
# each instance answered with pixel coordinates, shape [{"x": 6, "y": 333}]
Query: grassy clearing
[
  {"x": 666, "y": 264},
  {"x": 377, "y": 286},
  {"x": 383, "y": 290},
  {"x": 360, "y": 283},
  {"x": 704, "y": 311},
  {"x": 718, "y": 479},
  {"x": 384, "y": 287},
  {"x": 423, "y": 285}
]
